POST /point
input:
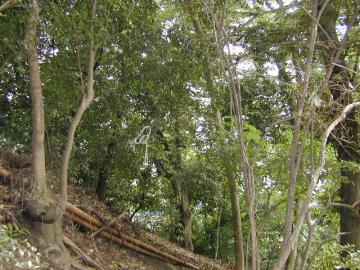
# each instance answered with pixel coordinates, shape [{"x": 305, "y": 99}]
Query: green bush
[{"x": 329, "y": 257}]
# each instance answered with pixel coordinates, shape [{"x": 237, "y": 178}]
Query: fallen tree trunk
[
  {"x": 111, "y": 237},
  {"x": 93, "y": 224}
]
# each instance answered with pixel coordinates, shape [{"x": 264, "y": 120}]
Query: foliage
[
  {"x": 16, "y": 250},
  {"x": 329, "y": 257},
  {"x": 152, "y": 69}
]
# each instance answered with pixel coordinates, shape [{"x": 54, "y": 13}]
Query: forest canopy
[{"x": 228, "y": 127}]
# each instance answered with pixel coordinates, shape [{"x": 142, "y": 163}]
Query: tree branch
[
  {"x": 5, "y": 5},
  {"x": 286, "y": 249},
  {"x": 86, "y": 100}
]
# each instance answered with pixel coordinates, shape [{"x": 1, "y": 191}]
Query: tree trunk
[
  {"x": 41, "y": 212},
  {"x": 186, "y": 220},
  {"x": 237, "y": 227},
  {"x": 235, "y": 206},
  {"x": 102, "y": 185},
  {"x": 349, "y": 220},
  {"x": 38, "y": 122},
  {"x": 86, "y": 100},
  {"x": 101, "y": 189},
  {"x": 182, "y": 195},
  {"x": 346, "y": 142}
]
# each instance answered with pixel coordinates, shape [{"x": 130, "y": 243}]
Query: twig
[
  {"x": 108, "y": 225},
  {"x": 316, "y": 20},
  {"x": 348, "y": 69}
]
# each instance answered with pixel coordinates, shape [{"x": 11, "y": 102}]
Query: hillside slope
[{"x": 15, "y": 184}]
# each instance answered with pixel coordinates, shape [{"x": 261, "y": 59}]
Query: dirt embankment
[{"x": 15, "y": 184}]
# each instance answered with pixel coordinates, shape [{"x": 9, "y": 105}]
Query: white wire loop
[{"x": 142, "y": 138}]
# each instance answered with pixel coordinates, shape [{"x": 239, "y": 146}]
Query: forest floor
[{"x": 14, "y": 181}]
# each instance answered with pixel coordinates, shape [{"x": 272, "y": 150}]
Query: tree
[
  {"x": 229, "y": 167},
  {"x": 341, "y": 86},
  {"x": 39, "y": 207},
  {"x": 239, "y": 100}
]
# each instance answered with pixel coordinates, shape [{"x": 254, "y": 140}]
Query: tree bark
[
  {"x": 346, "y": 142},
  {"x": 101, "y": 189},
  {"x": 41, "y": 212},
  {"x": 86, "y": 100},
  {"x": 102, "y": 184},
  {"x": 350, "y": 220},
  {"x": 186, "y": 217},
  {"x": 237, "y": 224},
  {"x": 38, "y": 122}
]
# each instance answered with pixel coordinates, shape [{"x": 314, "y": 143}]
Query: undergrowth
[{"x": 16, "y": 250}]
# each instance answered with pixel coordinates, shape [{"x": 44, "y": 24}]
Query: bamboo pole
[
  {"x": 94, "y": 224},
  {"x": 112, "y": 237}
]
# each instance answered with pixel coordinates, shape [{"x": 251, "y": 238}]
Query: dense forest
[{"x": 228, "y": 127}]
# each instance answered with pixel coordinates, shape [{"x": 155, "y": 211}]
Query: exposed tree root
[{"x": 85, "y": 258}]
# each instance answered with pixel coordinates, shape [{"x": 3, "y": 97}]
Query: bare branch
[
  {"x": 320, "y": 26},
  {"x": 6, "y": 5},
  {"x": 348, "y": 69},
  {"x": 285, "y": 251},
  {"x": 296, "y": 150},
  {"x": 345, "y": 205}
]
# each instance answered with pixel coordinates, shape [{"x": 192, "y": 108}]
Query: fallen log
[
  {"x": 94, "y": 224},
  {"x": 112, "y": 237}
]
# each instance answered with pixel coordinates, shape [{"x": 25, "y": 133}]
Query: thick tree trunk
[
  {"x": 346, "y": 142},
  {"x": 38, "y": 122},
  {"x": 101, "y": 189},
  {"x": 350, "y": 220},
  {"x": 42, "y": 213},
  {"x": 184, "y": 208}
]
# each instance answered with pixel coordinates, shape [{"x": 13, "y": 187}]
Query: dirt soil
[{"x": 14, "y": 182}]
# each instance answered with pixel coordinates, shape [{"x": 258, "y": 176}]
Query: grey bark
[
  {"x": 45, "y": 223},
  {"x": 186, "y": 216},
  {"x": 86, "y": 100},
  {"x": 37, "y": 113},
  {"x": 286, "y": 249},
  {"x": 236, "y": 215}
]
